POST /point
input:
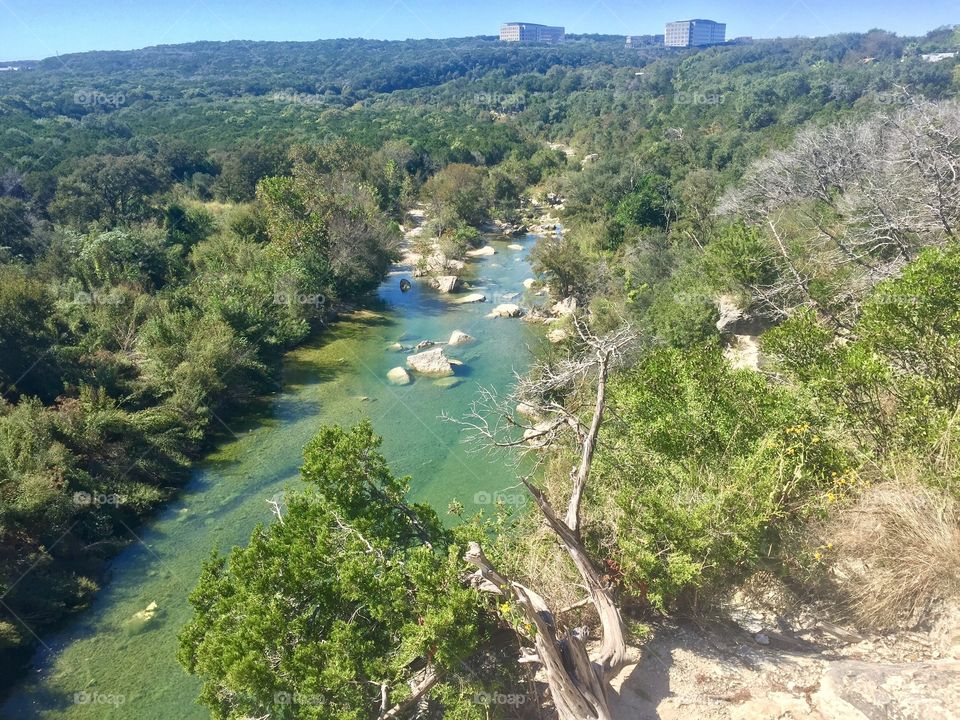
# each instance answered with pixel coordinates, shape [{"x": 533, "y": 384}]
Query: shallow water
[{"x": 107, "y": 665}]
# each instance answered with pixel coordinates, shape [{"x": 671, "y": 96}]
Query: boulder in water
[
  {"x": 471, "y": 298},
  {"x": 446, "y": 283},
  {"x": 423, "y": 345},
  {"x": 398, "y": 376},
  {"x": 506, "y": 310},
  {"x": 405, "y": 285},
  {"x": 431, "y": 362},
  {"x": 458, "y": 337},
  {"x": 481, "y": 252}
]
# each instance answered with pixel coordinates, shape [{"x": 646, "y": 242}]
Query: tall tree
[{"x": 350, "y": 605}]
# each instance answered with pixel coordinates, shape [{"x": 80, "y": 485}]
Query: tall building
[
  {"x": 694, "y": 33},
  {"x": 531, "y": 33}
]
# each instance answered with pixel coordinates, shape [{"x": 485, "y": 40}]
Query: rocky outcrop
[
  {"x": 734, "y": 320},
  {"x": 538, "y": 436},
  {"x": 529, "y": 283},
  {"x": 434, "y": 264},
  {"x": 544, "y": 225},
  {"x": 398, "y": 376},
  {"x": 506, "y": 229},
  {"x": 458, "y": 337},
  {"x": 439, "y": 263},
  {"x": 565, "y": 307},
  {"x": 914, "y": 691},
  {"x": 506, "y": 310},
  {"x": 432, "y": 362},
  {"x": 471, "y": 298},
  {"x": 774, "y": 656},
  {"x": 529, "y": 412},
  {"x": 743, "y": 352},
  {"x": 446, "y": 283},
  {"x": 557, "y": 335}
]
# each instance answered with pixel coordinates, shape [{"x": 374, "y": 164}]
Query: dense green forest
[{"x": 165, "y": 212}]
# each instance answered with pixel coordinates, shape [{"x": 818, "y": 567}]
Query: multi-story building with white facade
[
  {"x": 694, "y": 33},
  {"x": 531, "y": 33}
]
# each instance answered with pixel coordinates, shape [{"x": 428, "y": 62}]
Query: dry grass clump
[{"x": 896, "y": 554}]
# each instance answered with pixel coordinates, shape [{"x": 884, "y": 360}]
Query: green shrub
[{"x": 706, "y": 466}]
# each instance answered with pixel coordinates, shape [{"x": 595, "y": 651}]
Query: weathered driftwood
[{"x": 579, "y": 683}]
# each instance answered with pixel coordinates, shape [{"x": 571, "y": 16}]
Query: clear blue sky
[{"x": 33, "y": 29}]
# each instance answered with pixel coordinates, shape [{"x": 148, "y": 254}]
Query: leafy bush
[
  {"x": 705, "y": 466},
  {"x": 898, "y": 375}
]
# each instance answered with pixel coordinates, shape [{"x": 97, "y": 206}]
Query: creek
[{"x": 108, "y": 664}]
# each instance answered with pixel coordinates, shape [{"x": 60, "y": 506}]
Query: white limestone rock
[
  {"x": 458, "y": 337},
  {"x": 446, "y": 283},
  {"x": 471, "y": 298},
  {"x": 482, "y": 252},
  {"x": 398, "y": 376},
  {"x": 506, "y": 310},
  {"x": 565, "y": 307},
  {"x": 432, "y": 362}
]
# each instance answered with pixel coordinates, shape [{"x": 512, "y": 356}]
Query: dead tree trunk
[{"x": 579, "y": 683}]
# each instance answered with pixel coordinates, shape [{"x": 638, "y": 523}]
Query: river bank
[{"x": 116, "y": 660}]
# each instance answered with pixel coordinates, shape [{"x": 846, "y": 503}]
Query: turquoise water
[{"x": 107, "y": 664}]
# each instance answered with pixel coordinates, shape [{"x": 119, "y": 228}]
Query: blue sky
[{"x": 33, "y": 29}]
